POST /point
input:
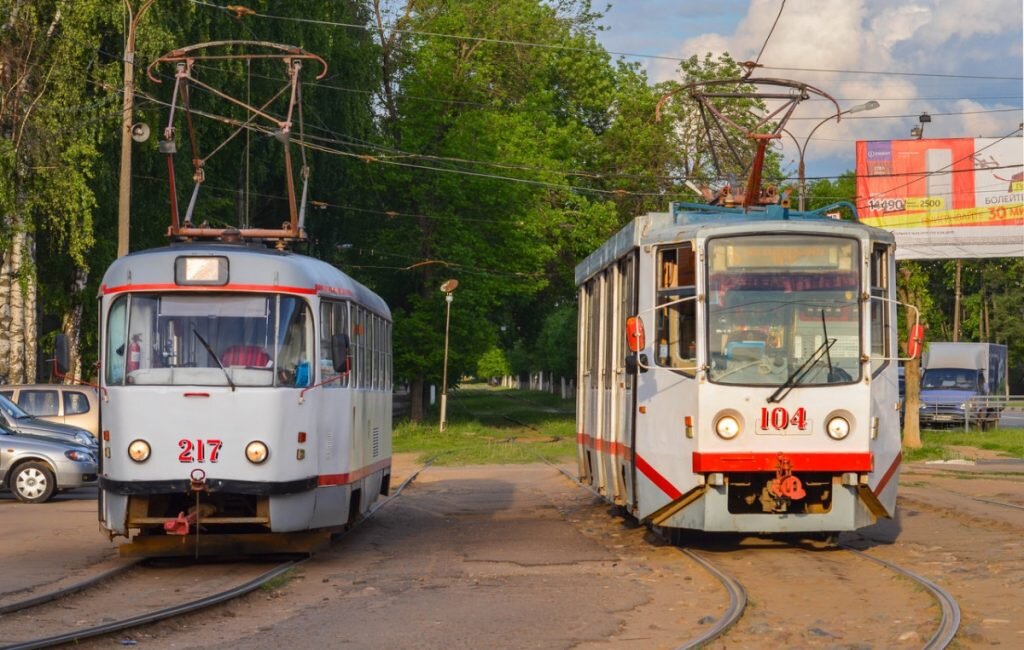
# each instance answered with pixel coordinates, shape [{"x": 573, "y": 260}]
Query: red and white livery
[
  {"x": 245, "y": 392},
  {"x": 738, "y": 371}
]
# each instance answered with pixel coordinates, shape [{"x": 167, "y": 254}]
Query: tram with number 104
[
  {"x": 245, "y": 392},
  {"x": 738, "y": 371}
]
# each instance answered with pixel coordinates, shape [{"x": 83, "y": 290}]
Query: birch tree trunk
[
  {"x": 71, "y": 325},
  {"x": 17, "y": 312}
]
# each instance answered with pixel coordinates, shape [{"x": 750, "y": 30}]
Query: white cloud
[{"x": 972, "y": 38}]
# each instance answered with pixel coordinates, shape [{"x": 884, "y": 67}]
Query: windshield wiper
[
  {"x": 802, "y": 370},
  {"x": 215, "y": 357}
]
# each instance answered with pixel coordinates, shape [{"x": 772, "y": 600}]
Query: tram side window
[
  {"x": 116, "y": 341},
  {"x": 358, "y": 342},
  {"x": 627, "y": 307},
  {"x": 295, "y": 328},
  {"x": 333, "y": 320},
  {"x": 387, "y": 355},
  {"x": 362, "y": 347},
  {"x": 610, "y": 356},
  {"x": 374, "y": 349},
  {"x": 677, "y": 322},
  {"x": 593, "y": 325},
  {"x": 880, "y": 326}
]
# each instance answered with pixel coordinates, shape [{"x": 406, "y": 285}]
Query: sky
[{"x": 886, "y": 50}]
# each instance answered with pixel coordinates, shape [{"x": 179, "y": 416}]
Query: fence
[{"x": 984, "y": 411}]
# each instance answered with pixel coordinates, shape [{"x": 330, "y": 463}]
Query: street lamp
[
  {"x": 448, "y": 288},
  {"x": 918, "y": 131},
  {"x": 866, "y": 106}
]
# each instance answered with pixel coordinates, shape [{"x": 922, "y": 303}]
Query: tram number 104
[
  {"x": 199, "y": 451},
  {"x": 779, "y": 419}
]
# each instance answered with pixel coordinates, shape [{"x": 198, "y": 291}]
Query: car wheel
[{"x": 33, "y": 483}]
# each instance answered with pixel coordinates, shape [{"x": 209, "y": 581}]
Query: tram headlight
[
  {"x": 727, "y": 427},
  {"x": 139, "y": 451},
  {"x": 838, "y": 428},
  {"x": 256, "y": 452}
]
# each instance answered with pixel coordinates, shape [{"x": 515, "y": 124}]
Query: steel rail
[
  {"x": 999, "y": 503},
  {"x": 737, "y": 601},
  {"x": 66, "y": 591},
  {"x": 950, "y": 621},
  {"x": 158, "y": 615},
  {"x": 174, "y": 610},
  {"x": 942, "y": 638},
  {"x": 737, "y": 594}
]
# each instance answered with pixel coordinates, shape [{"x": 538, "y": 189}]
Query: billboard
[{"x": 945, "y": 198}]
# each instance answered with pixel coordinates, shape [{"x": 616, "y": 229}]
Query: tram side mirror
[
  {"x": 339, "y": 352},
  {"x": 636, "y": 340},
  {"x": 915, "y": 341},
  {"x": 61, "y": 355}
]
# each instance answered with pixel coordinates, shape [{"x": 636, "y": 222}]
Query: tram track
[
  {"x": 949, "y": 611},
  {"x": 75, "y": 587},
  {"x": 949, "y": 621},
  {"x": 735, "y": 592},
  {"x": 82, "y": 588}
]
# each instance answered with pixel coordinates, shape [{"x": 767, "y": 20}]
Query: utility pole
[
  {"x": 956, "y": 302},
  {"x": 124, "y": 195}
]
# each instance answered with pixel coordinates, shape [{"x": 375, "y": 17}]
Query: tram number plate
[
  {"x": 199, "y": 451},
  {"x": 781, "y": 420}
]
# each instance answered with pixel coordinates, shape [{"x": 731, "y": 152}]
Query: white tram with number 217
[
  {"x": 245, "y": 391},
  {"x": 738, "y": 371}
]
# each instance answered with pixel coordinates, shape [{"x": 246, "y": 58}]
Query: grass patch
[
  {"x": 494, "y": 426},
  {"x": 278, "y": 582},
  {"x": 937, "y": 445}
]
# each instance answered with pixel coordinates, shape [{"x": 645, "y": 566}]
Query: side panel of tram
[
  {"x": 765, "y": 396},
  {"x": 282, "y": 438}
]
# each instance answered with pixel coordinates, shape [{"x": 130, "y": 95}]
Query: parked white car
[
  {"x": 73, "y": 404},
  {"x": 16, "y": 418}
]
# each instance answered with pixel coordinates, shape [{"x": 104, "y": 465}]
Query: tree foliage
[{"x": 499, "y": 155}]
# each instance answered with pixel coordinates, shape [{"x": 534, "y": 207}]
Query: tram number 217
[
  {"x": 199, "y": 451},
  {"x": 779, "y": 419}
]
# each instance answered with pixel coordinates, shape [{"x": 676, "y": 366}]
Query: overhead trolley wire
[
  {"x": 590, "y": 50},
  {"x": 771, "y": 31},
  {"x": 389, "y": 154}
]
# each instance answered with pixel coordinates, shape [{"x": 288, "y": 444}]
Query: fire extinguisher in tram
[{"x": 134, "y": 353}]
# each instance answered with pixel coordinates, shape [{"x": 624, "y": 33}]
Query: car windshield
[
  {"x": 12, "y": 410},
  {"x": 950, "y": 379},
  {"x": 209, "y": 339},
  {"x": 783, "y": 310}
]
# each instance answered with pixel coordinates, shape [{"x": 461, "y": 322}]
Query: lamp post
[
  {"x": 448, "y": 288},
  {"x": 866, "y": 106}
]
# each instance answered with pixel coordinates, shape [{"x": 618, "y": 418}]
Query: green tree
[
  {"x": 503, "y": 128},
  {"x": 493, "y": 363},
  {"x": 55, "y": 112},
  {"x": 556, "y": 345}
]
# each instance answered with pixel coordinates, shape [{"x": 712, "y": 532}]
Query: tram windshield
[
  {"x": 783, "y": 309},
  {"x": 209, "y": 339}
]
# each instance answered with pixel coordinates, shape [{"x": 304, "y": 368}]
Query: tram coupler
[
  {"x": 197, "y": 481},
  {"x": 182, "y": 524},
  {"x": 785, "y": 485}
]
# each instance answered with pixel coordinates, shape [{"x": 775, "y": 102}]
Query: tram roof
[
  {"x": 689, "y": 220},
  {"x": 251, "y": 269}
]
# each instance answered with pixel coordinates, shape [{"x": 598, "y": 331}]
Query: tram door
[
  {"x": 605, "y": 401},
  {"x": 625, "y": 397}
]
